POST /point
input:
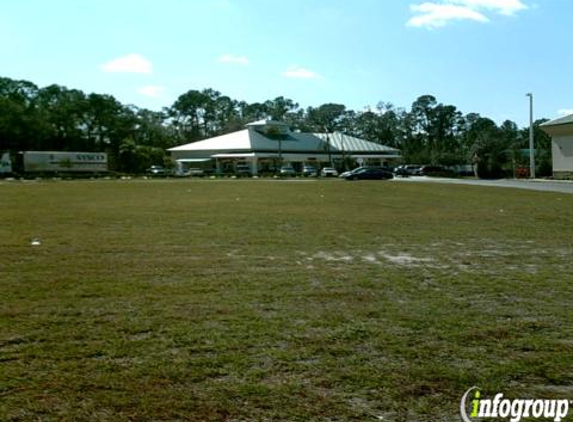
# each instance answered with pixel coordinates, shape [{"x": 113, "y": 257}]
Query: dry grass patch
[{"x": 257, "y": 301}]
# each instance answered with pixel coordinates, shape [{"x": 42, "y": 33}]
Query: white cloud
[
  {"x": 565, "y": 111},
  {"x": 441, "y": 12},
  {"x": 152, "y": 91},
  {"x": 433, "y": 15},
  {"x": 298, "y": 72},
  {"x": 504, "y": 7},
  {"x": 131, "y": 63},
  {"x": 229, "y": 58}
]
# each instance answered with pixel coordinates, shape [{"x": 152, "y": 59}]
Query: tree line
[{"x": 55, "y": 118}]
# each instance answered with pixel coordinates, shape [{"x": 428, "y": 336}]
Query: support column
[{"x": 255, "y": 166}]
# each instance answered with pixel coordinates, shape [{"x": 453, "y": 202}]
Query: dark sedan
[{"x": 369, "y": 173}]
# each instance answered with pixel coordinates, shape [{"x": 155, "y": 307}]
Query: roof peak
[
  {"x": 266, "y": 122},
  {"x": 269, "y": 127}
]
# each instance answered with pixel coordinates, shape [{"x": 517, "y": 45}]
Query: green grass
[{"x": 279, "y": 301}]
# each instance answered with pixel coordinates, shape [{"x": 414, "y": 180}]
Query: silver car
[
  {"x": 329, "y": 172},
  {"x": 308, "y": 171},
  {"x": 287, "y": 171}
]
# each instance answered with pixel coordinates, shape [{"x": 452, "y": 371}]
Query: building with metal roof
[
  {"x": 561, "y": 131},
  {"x": 266, "y": 145}
]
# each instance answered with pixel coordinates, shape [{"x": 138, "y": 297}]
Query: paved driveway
[{"x": 563, "y": 186}]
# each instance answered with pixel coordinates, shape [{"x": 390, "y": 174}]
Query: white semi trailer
[{"x": 64, "y": 162}]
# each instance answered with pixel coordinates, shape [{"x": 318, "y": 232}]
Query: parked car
[
  {"x": 436, "y": 171},
  {"x": 243, "y": 170},
  {"x": 346, "y": 173},
  {"x": 156, "y": 171},
  {"x": 406, "y": 170},
  {"x": 197, "y": 172},
  {"x": 370, "y": 173},
  {"x": 308, "y": 171},
  {"x": 287, "y": 171},
  {"x": 328, "y": 172},
  {"x": 462, "y": 170}
]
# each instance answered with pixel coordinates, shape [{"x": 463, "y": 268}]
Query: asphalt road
[{"x": 562, "y": 186}]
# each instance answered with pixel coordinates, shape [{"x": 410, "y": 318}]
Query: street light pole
[{"x": 531, "y": 146}]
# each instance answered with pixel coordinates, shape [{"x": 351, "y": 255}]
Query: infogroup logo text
[{"x": 516, "y": 409}]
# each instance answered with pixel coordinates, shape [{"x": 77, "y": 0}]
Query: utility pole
[{"x": 531, "y": 146}]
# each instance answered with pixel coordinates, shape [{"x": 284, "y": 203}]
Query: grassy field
[{"x": 256, "y": 300}]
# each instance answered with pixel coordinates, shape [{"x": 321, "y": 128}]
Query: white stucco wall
[{"x": 562, "y": 149}]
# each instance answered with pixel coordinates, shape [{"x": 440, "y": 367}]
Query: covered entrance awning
[
  {"x": 297, "y": 157},
  {"x": 193, "y": 160},
  {"x": 235, "y": 155},
  {"x": 375, "y": 156}
]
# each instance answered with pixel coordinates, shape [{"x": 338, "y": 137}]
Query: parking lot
[{"x": 563, "y": 186}]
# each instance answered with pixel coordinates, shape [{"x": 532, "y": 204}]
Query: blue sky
[{"x": 480, "y": 55}]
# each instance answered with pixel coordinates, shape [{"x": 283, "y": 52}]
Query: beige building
[
  {"x": 561, "y": 131},
  {"x": 266, "y": 145}
]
